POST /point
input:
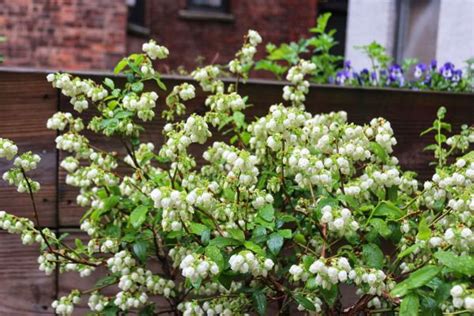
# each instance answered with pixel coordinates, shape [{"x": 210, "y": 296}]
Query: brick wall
[
  {"x": 92, "y": 34},
  {"x": 277, "y": 21},
  {"x": 63, "y": 34}
]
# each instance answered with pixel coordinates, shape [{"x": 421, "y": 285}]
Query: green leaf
[
  {"x": 79, "y": 245},
  {"x": 378, "y": 150},
  {"x": 239, "y": 118},
  {"x": 160, "y": 84},
  {"x": 299, "y": 238},
  {"x": 221, "y": 242},
  {"x": 137, "y": 86},
  {"x": 123, "y": 114},
  {"x": 138, "y": 216},
  {"x": 228, "y": 194},
  {"x": 140, "y": 249},
  {"x": 120, "y": 66},
  {"x": 380, "y": 226},
  {"x": 469, "y": 157},
  {"x": 416, "y": 280},
  {"x": 408, "y": 251},
  {"x": 462, "y": 264},
  {"x": 197, "y": 228},
  {"x": 303, "y": 301},
  {"x": 442, "y": 292},
  {"x": 285, "y": 233},
  {"x": 431, "y": 147},
  {"x": 111, "y": 310},
  {"x": 424, "y": 231},
  {"x": 254, "y": 248},
  {"x": 311, "y": 284},
  {"x": 267, "y": 213},
  {"x": 388, "y": 209},
  {"x": 148, "y": 310},
  {"x": 271, "y": 66},
  {"x": 236, "y": 234},
  {"x": 260, "y": 302},
  {"x": 330, "y": 295},
  {"x": 107, "y": 280},
  {"x": 111, "y": 201},
  {"x": 215, "y": 255},
  {"x": 410, "y": 305},
  {"x": 392, "y": 193},
  {"x": 372, "y": 256},
  {"x": 274, "y": 243},
  {"x": 440, "y": 138},
  {"x": 321, "y": 23},
  {"x": 109, "y": 83},
  {"x": 441, "y": 113}
]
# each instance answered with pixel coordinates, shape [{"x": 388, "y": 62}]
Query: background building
[{"x": 94, "y": 35}]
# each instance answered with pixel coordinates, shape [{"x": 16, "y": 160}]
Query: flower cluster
[
  {"x": 247, "y": 262},
  {"x": 59, "y": 121},
  {"x": 296, "y": 74},
  {"x": 462, "y": 297},
  {"x": 97, "y": 302},
  {"x": 175, "y": 99},
  {"x": 154, "y": 50},
  {"x": 207, "y": 78},
  {"x": 244, "y": 57},
  {"x": 143, "y": 105},
  {"x": 338, "y": 220},
  {"x": 17, "y": 176},
  {"x": 8, "y": 149},
  {"x": 194, "y": 267},
  {"x": 65, "y": 305},
  {"x": 78, "y": 90}
]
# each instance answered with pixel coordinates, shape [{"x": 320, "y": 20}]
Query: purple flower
[
  {"x": 395, "y": 74},
  {"x": 364, "y": 72},
  {"x": 457, "y": 75},
  {"x": 427, "y": 80},
  {"x": 347, "y": 65},
  {"x": 342, "y": 76},
  {"x": 434, "y": 64},
  {"x": 419, "y": 70},
  {"x": 373, "y": 77},
  {"x": 447, "y": 70}
]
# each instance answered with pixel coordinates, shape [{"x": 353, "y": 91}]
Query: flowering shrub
[
  {"x": 410, "y": 74},
  {"x": 290, "y": 207}
]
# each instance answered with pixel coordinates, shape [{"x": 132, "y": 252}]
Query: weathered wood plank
[
  {"x": 26, "y": 102},
  {"x": 24, "y": 290}
]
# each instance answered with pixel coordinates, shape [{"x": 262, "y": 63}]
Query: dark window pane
[
  {"x": 136, "y": 12},
  {"x": 209, "y": 5},
  {"x": 338, "y": 22}
]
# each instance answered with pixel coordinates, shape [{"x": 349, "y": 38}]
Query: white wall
[
  {"x": 370, "y": 20},
  {"x": 455, "y": 32}
]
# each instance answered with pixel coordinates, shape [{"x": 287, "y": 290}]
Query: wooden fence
[{"x": 27, "y": 101}]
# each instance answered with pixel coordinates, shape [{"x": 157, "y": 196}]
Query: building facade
[{"x": 94, "y": 35}]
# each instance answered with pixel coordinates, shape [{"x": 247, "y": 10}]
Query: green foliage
[{"x": 318, "y": 47}]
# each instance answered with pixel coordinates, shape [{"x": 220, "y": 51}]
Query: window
[
  {"x": 209, "y": 5},
  {"x": 136, "y": 18},
  {"x": 338, "y": 21},
  {"x": 417, "y": 29},
  {"x": 216, "y": 10}
]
